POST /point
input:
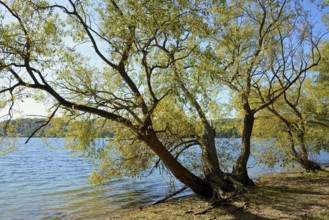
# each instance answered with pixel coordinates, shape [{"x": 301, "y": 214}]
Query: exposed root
[{"x": 225, "y": 200}]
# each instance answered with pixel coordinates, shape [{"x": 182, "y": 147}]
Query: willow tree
[
  {"x": 140, "y": 65},
  {"x": 117, "y": 61},
  {"x": 100, "y": 61},
  {"x": 301, "y": 118},
  {"x": 258, "y": 49},
  {"x": 297, "y": 135},
  {"x": 319, "y": 91}
]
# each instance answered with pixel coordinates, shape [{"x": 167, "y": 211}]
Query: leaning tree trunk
[
  {"x": 302, "y": 156},
  {"x": 240, "y": 172},
  {"x": 209, "y": 158},
  {"x": 307, "y": 164},
  {"x": 197, "y": 184},
  {"x": 210, "y": 164}
]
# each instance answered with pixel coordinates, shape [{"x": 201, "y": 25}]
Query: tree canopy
[{"x": 155, "y": 73}]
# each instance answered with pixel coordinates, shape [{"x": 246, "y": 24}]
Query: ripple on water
[{"x": 37, "y": 182}]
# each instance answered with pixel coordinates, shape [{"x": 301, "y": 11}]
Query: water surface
[{"x": 38, "y": 182}]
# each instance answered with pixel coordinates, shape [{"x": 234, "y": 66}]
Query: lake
[{"x": 38, "y": 182}]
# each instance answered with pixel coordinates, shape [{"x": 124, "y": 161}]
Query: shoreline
[{"x": 288, "y": 195}]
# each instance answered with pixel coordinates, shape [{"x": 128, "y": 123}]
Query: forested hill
[
  {"x": 227, "y": 128},
  {"x": 26, "y": 126}
]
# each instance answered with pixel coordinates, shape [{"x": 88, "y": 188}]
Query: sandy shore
[{"x": 296, "y": 195}]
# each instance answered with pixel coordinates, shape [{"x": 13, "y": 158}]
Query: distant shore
[{"x": 294, "y": 195}]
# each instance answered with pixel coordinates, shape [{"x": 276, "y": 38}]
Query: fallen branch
[{"x": 171, "y": 195}]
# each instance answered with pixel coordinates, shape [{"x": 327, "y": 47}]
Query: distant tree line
[{"x": 24, "y": 127}]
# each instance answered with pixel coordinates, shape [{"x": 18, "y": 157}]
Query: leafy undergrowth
[{"x": 280, "y": 196}]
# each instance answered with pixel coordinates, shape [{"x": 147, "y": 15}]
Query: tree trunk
[
  {"x": 197, "y": 184},
  {"x": 209, "y": 152},
  {"x": 240, "y": 172},
  {"x": 210, "y": 164},
  {"x": 302, "y": 157},
  {"x": 214, "y": 176},
  {"x": 307, "y": 164}
]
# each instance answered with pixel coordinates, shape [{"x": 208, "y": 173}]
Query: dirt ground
[{"x": 295, "y": 195}]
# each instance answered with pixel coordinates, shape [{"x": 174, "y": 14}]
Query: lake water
[{"x": 37, "y": 182}]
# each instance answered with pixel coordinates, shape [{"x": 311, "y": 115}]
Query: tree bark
[
  {"x": 210, "y": 164},
  {"x": 197, "y": 184},
  {"x": 209, "y": 154},
  {"x": 240, "y": 172},
  {"x": 302, "y": 156},
  {"x": 307, "y": 164}
]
